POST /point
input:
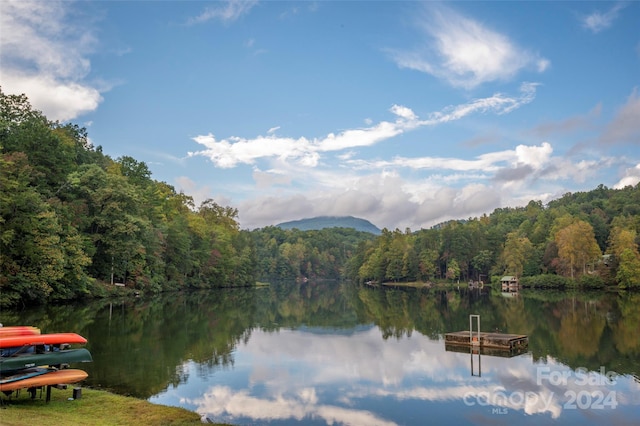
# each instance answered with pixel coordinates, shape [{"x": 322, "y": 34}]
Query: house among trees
[{"x": 510, "y": 283}]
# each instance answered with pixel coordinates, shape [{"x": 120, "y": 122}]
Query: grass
[
  {"x": 444, "y": 285},
  {"x": 414, "y": 284},
  {"x": 95, "y": 407},
  {"x": 420, "y": 284}
]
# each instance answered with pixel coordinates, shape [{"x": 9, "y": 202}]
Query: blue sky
[{"x": 403, "y": 113}]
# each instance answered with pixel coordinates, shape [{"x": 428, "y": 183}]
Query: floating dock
[
  {"x": 496, "y": 352},
  {"x": 476, "y": 339},
  {"x": 510, "y": 342}
]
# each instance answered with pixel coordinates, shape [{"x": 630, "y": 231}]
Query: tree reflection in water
[{"x": 328, "y": 351}]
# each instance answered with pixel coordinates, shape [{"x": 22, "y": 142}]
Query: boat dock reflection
[{"x": 499, "y": 341}]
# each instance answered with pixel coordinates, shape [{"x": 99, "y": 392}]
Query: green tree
[
  {"x": 457, "y": 244},
  {"x": 395, "y": 257},
  {"x": 177, "y": 253},
  {"x": 71, "y": 215},
  {"x": 137, "y": 172},
  {"x": 50, "y": 154},
  {"x": 32, "y": 257},
  {"x": 428, "y": 264},
  {"x": 482, "y": 262},
  {"x": 514, "y": 256}
]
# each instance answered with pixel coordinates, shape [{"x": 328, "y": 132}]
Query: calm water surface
[{"x": 331, "y": 353}]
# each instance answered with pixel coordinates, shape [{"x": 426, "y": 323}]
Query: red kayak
[{"x": 41, "y": 339}]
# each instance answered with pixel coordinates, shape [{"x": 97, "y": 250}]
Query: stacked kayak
[
  {"x": 18, "y": 330},
  {"x": 30, "y": 360}
]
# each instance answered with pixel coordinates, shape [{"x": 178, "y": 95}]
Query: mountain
[{"x": 322, "y": 222}]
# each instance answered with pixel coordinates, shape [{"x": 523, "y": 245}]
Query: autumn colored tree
[
  {"x": 622, "y": 237},
  {"x": 577, "y": 247},
  {"x": 623, "y": 247},
  {"x": 580, "y": 334},
  {"x": 629, "y": 269},
  {"x": 453, "y": 270}
]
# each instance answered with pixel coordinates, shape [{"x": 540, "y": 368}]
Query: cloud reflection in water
[{"x": 359, "y": 378}]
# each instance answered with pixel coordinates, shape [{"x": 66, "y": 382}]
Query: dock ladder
[{"x": 474, "y": 341}]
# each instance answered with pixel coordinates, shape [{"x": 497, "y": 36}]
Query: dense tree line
[
  {"x": 578, "y": 328},
  {"x": 586, "y": 238},
  {"x": 292, "y": 253},
  {"x": 72, "y": 218}
]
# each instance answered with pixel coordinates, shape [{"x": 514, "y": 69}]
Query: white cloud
[
  {"x": 421, "y": 192},
  {"x": 386, "y": 199},
  {"x": 228, "y": 153},
  {"x": 270, "y": 210},
  {"x": 465, "y": 53},
  {"x": 235, "y": 150},
  {"x": 631, "y": 178},
  {"x": 44, "y": 55},
  {"x": 226, "y": 12},
  {"x": 222, "y": 400},
  {"x": 536, "y": 156},
  {"x": 303, "y": 180},
  {"x": 599, "y": 21},
  {"x": 403, "y": 112},
  {"x": 374, "y": 370},
  {"x": 58, "y": 100}
]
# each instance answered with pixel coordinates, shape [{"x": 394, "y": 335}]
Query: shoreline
[{"x": 95, "y": 407}]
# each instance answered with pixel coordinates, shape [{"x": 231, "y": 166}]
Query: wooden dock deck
[
  {"x": 485, "y": 351},
  {"x": 487, "y": 340}
]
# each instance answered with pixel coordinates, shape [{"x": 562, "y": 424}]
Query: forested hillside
[
  {"x": 587, "y": 238},
  {"x": 72, "y": 218},
  {"x": 285, "y": 254},
  {"x": 74, "y": 221}
]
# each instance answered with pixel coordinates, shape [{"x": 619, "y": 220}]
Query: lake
[{"x": 334, "y": 353}]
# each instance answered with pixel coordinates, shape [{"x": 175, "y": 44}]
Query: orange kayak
[
  {"x": 55, "y": 377},
  {"x": 18, "y": 330},
  {"x": 41, "y": 339}
]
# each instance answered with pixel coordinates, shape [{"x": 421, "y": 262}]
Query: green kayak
[
  {"x": 52, "y": 358},
  {"x": 25, "y": 374}
]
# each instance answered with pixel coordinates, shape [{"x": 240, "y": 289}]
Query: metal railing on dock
[{"x": 473, "y": 341}]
